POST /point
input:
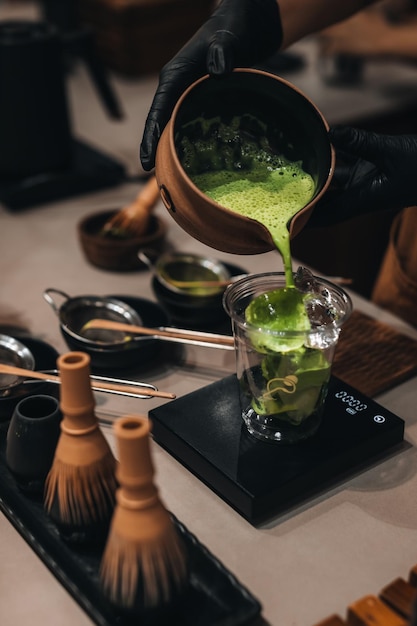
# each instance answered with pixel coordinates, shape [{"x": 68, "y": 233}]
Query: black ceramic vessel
[
  {"x": 32, "y": 437},
  {"x": 191, "y": 311}
]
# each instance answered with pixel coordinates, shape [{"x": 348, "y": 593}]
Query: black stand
[
  {"x": 89, "y": 170},
  {"x": 205, "y": 432}
]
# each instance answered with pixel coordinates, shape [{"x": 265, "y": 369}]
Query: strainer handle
[{"x": 49, "y": 299}]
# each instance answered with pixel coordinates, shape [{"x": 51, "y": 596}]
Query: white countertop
[{"x": 302, "y": 566}]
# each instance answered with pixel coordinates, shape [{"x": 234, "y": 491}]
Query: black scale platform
[{"x": 205, "y": 432}]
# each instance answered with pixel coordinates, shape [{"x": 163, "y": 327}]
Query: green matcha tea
[
  {"x": 290, "y": 379},
  {"x": 237, "y": 166},
  {"x": 272, "y": 197}
]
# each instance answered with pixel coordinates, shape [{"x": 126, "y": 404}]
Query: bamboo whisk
[
  {"x": 81, "y": 484},
  {"x": 144, "y": 564},
  {"x": 133, "y": 220}
]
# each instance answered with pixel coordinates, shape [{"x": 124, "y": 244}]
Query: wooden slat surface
[
  {"x": 412, "y": 576},
  {"x": 371, "y": 611},
  {"x": 393, "y": 606},
  {"x": 400, "y": 596},
  {"x": 373, "y": 357},
  {"x": 333, "y": 620}
]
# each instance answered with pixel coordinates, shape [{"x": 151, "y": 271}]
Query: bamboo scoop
[
  {"x": 177, "y": 334},
  {"x": 135, "y": 390},
  {"x": 133, "y": 219},
  {"x": 201, "y": 284}
]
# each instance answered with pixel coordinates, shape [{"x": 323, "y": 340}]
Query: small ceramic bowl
[
  {"x": 192, "y": 308},
  {"x": 191, "y": 274},
  {"x": 111, "y": 253}
]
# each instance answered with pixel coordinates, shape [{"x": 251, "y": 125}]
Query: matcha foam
[
  {"x": 239, "y": 165},
  {"x": 269, "y": 197}
]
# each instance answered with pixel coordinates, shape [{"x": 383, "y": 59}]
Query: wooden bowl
[{"x": 111, "y": 253}]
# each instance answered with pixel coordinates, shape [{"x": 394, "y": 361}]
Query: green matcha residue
[
  {"x": 295, "y": 376},
  {"x": 310, "y": 372}
]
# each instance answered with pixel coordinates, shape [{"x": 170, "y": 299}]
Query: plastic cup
[{"x": 283, "y": 375}]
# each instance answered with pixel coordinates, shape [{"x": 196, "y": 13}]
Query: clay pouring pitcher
[{"x": 288, "y": 114}]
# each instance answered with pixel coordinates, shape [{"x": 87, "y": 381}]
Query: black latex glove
[
  {"x": 239, "y": 33},
  {"x": 373, "y": 173}
]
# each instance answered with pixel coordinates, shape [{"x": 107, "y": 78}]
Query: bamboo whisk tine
[
  {"x": 81, "y": 484},
  {"x": 144, "y": 562},
  {"x": 134, "y": 218}
]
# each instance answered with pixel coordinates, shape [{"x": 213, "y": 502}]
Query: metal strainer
[{"x": 13, "y": 352}]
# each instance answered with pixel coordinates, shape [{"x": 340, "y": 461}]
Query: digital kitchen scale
[{"x": 204, "y": 431}]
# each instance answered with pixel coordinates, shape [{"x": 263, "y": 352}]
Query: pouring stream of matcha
[{"x": 234, "y": 165}]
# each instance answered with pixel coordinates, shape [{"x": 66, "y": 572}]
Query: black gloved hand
[
  {"x": 373, "y": 173},
  {"x": 240, "y": 33}
]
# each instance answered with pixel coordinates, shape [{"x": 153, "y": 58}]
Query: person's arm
[
  {"x": 239, "y": 33},
  {"x": 371, "y": 35},
  {"x": 304, "y": 17}
]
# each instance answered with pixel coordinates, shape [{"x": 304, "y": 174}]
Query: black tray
[
  {"x": 90, "y": 169},
  {"x": 215, "y": 597}
]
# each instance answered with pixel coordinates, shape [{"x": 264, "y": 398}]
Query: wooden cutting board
[{"x": 373, "y": 357}]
